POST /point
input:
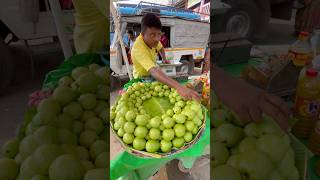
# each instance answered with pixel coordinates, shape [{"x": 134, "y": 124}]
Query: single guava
[
  {"x": 67, "y": 137},
  {"x": 88, "y": 101},
  {"x": 96, "y": 174},
  {"x": 94, "y": 124},
  {"x": 10, "y": 148},
  {"x": 8, "y": 169},
  {"x": 87, "y": 138},
  {"x": 46, "y": 135},
  {"x": 64, "y": 95},
  {"x": 44, "y": 156},
  {"x": 97, "y": 148},
  {"x": 74, "y": 109},
  {"x": 66, "y": 167}
]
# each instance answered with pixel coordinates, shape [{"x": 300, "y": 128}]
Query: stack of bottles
[{"x": 304, "y": 53}]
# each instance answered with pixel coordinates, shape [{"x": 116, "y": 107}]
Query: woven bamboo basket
[{"x": 144, "y": 154}]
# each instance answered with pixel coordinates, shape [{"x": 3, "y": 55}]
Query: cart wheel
[
  {"x": 6, "y": 66},
  {"x": 241, "y": 19}
]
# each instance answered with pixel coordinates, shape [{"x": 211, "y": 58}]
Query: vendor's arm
[
  {"x": 185, "y": 92},
  {"x": 247, "y": 101},
  {"x": 163, "y": 55},
  {"x": 140, "y": 56}
]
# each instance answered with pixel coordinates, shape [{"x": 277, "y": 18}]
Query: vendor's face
[
  {"x": 151, "y": 36},
  {"x": 131, "y": 36}
]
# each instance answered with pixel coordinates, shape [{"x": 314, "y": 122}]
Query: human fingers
[
  {"x": 279, "y": 103},
  {"x": 195, "y": 96},
  {"x": 255, "y": 113},
  {"x": 276, "y": 114},
  {"x": 244, "y": 114}
]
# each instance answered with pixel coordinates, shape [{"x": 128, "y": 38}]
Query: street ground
[{"x": 13, "y": 102}]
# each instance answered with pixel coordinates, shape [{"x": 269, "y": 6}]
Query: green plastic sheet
[
  {"x": 312, "y": 165},
  {"x": 127, "y": 166},
  {"x": 236, "y": 69},
  {"x": 130, "y": 83},
  {"x": 65, "y": 69}
]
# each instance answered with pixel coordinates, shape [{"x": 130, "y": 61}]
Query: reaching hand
[
  {"x": 250, "y": 103},
  {"x": 188, "y": 93},
  {"x": 185, "y": 92}
]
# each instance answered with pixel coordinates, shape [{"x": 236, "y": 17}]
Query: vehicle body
[
  {"x": 29, "y": 23},
  {"x": 250, "y": 17},
  {"x": 32, "y": 22},
  {"x": 188, "y": 38}
]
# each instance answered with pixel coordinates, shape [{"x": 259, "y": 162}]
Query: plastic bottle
[
  {"x": 307, "y": 103},
  {"x": 315, "y": 64},
  {"x": 304, "y": 70},
  {"x": 301, "y": 52}
]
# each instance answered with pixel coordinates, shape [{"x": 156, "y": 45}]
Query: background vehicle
[
  {"x": 31, "y": 22},
  {"x": 187, "y": 33},
  {"x": 248, "y": 17}
]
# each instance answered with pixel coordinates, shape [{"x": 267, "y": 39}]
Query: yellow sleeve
[
  {"x": 159, "y": 47},
  {"x": 102, "y": 6},
  {"x": 141, "y": 56}
]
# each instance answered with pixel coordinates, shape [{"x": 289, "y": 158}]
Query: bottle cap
[
  {"x": 311, "y": 72},
  {"x": 304, "y": 34}
]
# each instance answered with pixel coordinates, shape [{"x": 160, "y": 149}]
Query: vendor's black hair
[
  {"x": 130, "y": 32},
  {"x": 150, "y": 20}
]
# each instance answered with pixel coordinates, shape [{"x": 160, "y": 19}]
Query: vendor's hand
[
  {"x": 250, "y": 103},
  {"x": 185, "y": 92},
  {"x": 188, "y": 93}
]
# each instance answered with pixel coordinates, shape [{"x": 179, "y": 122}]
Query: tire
[
  {"x": 6, "y": 67},
  {"x": 240, "y": 19}
]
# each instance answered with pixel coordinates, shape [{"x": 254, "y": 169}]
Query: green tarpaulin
[
  {"x": 65, "y": 69},
  {"x": 236, "y": 69}
]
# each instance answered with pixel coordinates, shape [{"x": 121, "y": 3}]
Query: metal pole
[
  {"x": 117, "y": 29},
  {"x": 58, "y": 19}
]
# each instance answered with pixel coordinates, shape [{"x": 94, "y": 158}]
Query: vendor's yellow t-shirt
[
  {"x": 91, "y": 33},
  {"x": 143, "y": 57}
]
